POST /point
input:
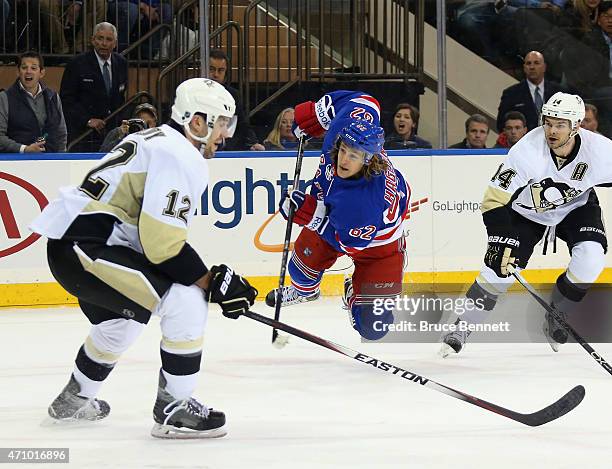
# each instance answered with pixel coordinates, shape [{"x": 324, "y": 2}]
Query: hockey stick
[
  {"x": 555, "y": 314},
  {"x": 276, "y": 340},
  {"x": 557, "y": 409}
]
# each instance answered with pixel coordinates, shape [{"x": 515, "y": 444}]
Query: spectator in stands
[
  {"x": 281, "y": 137},
  {"x": 94, "y": 85},
  {"x": 579, "y": 17},
  {"x": 135, "y": 18},
  {"x": 586, "y": 67},
  {"x": 144, "y": 117},
  {"x": 52, "y": 26},
  {"x": 485, "y": 27},
  {"x": 405, "y": 124},
  {"x": 31, "y": 118},
  {"x": 244, "y": 138},
  {"x": 591, "y": 119},
  {"x": 81, "y": 17},
  {"x": 515, "y": 126},
  {"x": 530, "y": 94},
  {"x": 476, "y": 133}
]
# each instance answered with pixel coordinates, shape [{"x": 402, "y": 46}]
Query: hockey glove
[
  {"x": 501, "y": 255},
  {"x": 306, "y": 121},
  {"x": 231, "y": 291},
  {"x": 310, "y": 212},
  {"x": 304, "y": 206}
]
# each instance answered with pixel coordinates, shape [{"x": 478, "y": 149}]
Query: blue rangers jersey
[{"x": 362, "y": 212}]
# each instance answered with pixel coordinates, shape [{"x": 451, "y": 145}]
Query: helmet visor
[{"x": 226, "y": 125}]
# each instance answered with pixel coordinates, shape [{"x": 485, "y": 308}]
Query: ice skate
[
  {"x": 186, "y": 418},
  {"x": 290, "y": 296},
  {"x": 70, "y": 407},
  {"x": 453, "y": 342},
  {"x": 554, "y": 333},
  {"x": 348, "y": 292}
]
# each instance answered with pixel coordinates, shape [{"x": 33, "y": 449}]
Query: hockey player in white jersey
[
  {"x": 544, "y": 188},
  {"x": 118, "y": 243}
]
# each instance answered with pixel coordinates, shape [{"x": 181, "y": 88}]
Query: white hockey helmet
[
  {"x": 564, "y": 106},
  {"x": 204, "y": 96}
]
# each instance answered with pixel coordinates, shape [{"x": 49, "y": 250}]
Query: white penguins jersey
[
  {"x": 544, "y": 188},
  {"x": 152, "y": 182}
]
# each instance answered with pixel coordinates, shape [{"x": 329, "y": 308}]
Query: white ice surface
[{"x": 306, "y": 406}]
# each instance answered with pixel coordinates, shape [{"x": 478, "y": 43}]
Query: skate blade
[
  {"x": 50, "y": 422},
  {"x": 554, "y": 345},
  {"x": 281, "y": 341},
  {"x": 446, "y": 350},
  {"x": 171, "y": 432}
]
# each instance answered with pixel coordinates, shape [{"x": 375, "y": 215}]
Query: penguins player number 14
[{"x": 504, "y": 177}]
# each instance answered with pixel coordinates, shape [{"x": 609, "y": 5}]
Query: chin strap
[
  {"x": 188, "y": 131},
  {"x": 574, "y": 132}
]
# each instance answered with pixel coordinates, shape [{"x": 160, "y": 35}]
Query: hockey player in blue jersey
[{"x": 356, "y": 207}]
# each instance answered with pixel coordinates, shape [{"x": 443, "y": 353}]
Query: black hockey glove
[
  {"x": 231, "y": 291},
  {"x": 501, "y": 254}
]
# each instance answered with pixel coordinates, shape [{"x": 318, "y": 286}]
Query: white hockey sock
[
  {"x": 89, "y": 387},
  {"x": 587, "y": 262},
  {"x": 180, "y": 387}
]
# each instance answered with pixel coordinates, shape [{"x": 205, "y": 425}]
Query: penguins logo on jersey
[{"x": 548, "y": 195}]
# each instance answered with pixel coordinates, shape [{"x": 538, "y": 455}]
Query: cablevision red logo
[{"x": 20, "y": 202}]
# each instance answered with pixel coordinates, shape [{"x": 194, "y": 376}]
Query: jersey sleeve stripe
[{"x": 368, "y": 101}]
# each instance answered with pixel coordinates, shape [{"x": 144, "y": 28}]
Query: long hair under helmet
[
  {"x": 364, "y": 136},
  {"x": 203, "y": 96}
]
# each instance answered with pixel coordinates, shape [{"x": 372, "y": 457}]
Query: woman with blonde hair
[
  {"x": 281, "y": 137},
  {"x": 580, "y": 17}
]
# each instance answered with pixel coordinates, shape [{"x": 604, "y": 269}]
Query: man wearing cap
[{"x": 144, "y": 112}]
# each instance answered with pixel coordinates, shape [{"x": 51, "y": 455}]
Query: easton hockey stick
[
  {"x": 555, "y": 314},
  {"x": 557, "y": 409},
  {"x": 276, "y": 339}
]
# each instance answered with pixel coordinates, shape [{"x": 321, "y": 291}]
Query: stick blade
[
  {"x": 280, "y": 341},
  {"x": 557, "y": 409}
]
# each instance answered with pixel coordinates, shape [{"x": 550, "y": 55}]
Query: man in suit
[
  {"x": 530, "y": 94},
  {"x": 93, "y": 86}
]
